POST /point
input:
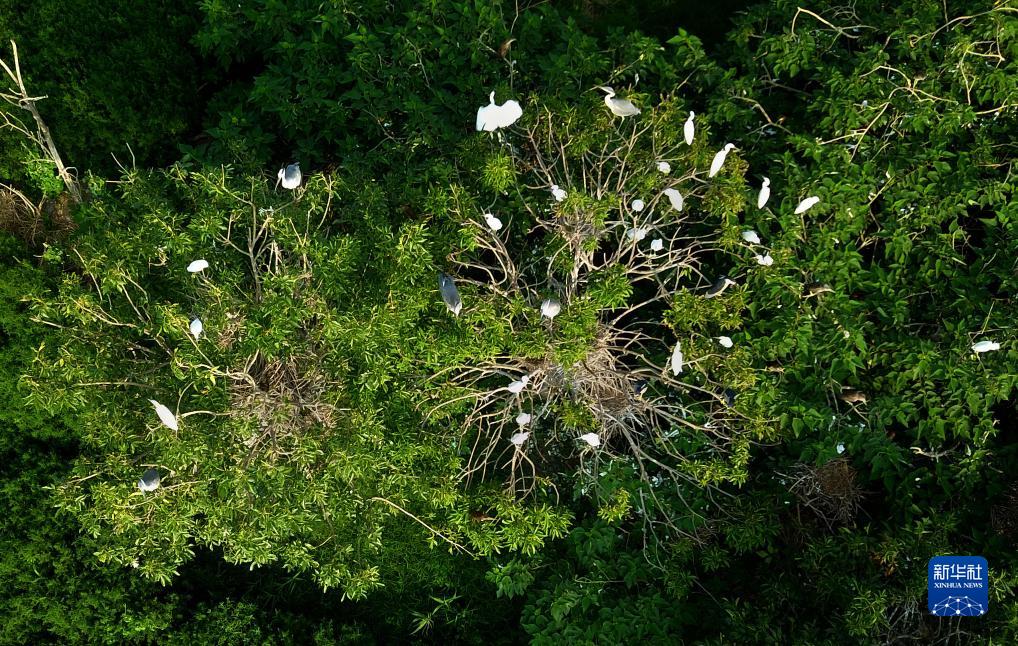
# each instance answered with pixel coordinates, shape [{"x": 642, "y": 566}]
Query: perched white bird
[
  {"x": 558, "y": 193},
  {"x": 198, "y": 266},
  {"x": 450, "y": 295},
  {"x": 688, "y": 129},
  {"x": 517, "y": 386},
  {"x": 550, "y": 308},
  {"x": 765, "y": 193},
  {"x": 985, "y": 346},
  {"x": 491, "y": 117},
  {"x": 664, "y": 167},
  {"x": 149, "y": 480},
  {"x": 637, "y": 234},
  {"x": 840, "y": 448},
  {"x": 764, "y": 260},
  {"x": 674, "y": 197},
  {"x": 523, "y": 419},
  {"x": 807, "y": 204},
  {"x": 493, "y": 222},
  {"x": 166, "y": 416},
  {"x": 677, "y": 359},
  {"x": 725, "y": 341},
  {"x": 592, "y": 439},
  {"x": 638, "y": 205},
  {"x": 751, "y": 237},
  {"x": 289, "y": 176},
  {"x": 719, "y": 160},
  {"x": 618, "y": 107},
  {"x": 519, "y": 438},
  {"x": 657, "y": 244},
  {"x": 196, "y": 327}
]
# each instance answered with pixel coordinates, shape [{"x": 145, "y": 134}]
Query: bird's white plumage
[
  {"x": 765, "y": 193},
  {"x": 725, "y": 341},
  {"x": 674, "y": 198},
  {"x": 688, "y": 129},
  {"x": 985, "y": 346},
  {"x": 550, "y": 308},
  {"x": 664, "y": 167},
  {"x": 719, "y": 160},
  {"x": 677, "y": 359},
  {"x": 637, "y": 205},
  {"x": 619, "y": 107},
  {"x": 840, "y": 448},
  {"x": 198, "y": 266},
  {"x": 290, "y": 176},
  {"x": 166, "y": 416},
  {"x": 519, "y": 438},
  {"x": 493, "y": 116},
  {"x": 807, "y": 204},
  {"x": 492, "y": 221},
  {"x": 196, "y": 328},
  {"x": 592, "y": 439},
  {"x": 149, "y": 481},
  {"x": 523, "y": 419},
  {"x": 751, "y": 236},
  {"x": 517, "y": 386},
  {"x": 657, "y": 244},
  {"x": 558, "y": 193},
  {"x": 764, "y": 260},
  {"x": 637, "y": 234}
]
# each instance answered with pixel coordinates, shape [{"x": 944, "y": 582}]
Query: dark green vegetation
[{"x": 342, "y": 471}]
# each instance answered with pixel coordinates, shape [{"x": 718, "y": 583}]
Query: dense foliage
[{"x": 351, "y": 460}]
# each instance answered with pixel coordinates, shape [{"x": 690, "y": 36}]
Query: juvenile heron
[
  {"x": 719, "y": 159},
  {"x": 637, "y": 205},
  {"x": 719, "y": 287},
  {"x": 618, "y": 107},
  {"x": 523, "y": 419},
  {"x": 677, "y": 359},
  {"x": 730, "y": 396},
  {"x": 725, "y": 341},
  {"x": 674, "y": 198},
  {"x": 637, "y": 234},
  {"x": 493, "y": 222},
  {"x": 166, "y": 416},
  {"x": 289, "y": 176},
  {"x": 764, "y": 260},
  {"x": 807, "y": 204},
  {"x": 751, "y": 237},
  {"x": 592, "y": 439},
  {"x": 558, "y": 193},
  {"x": 149, "y": 480},
  {"x": 640, "y": 387},
  {"x": 840, "y": 448},
  {"x": 985, "y": 346},
  {"x": 519, "y": 438},
  {"x": 688, "y": 129},
  {"x": 196, "y": 327},
  {"x": 517, "y": 386},
  {"x": 765, "y": 193},
  {"x": 450, "y": 294},
  {"x": 664, "y": 167},
  {"x": 550, "y": 308},
  {"x": 491, "y": 117},
  {"x": 198, "y": 266},
  {"x": 657, "y": 244}
]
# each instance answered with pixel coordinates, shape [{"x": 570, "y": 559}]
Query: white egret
[
  {"x": 719, "y": 160},
  {"x": 840, "y": 448},
  {"x": 198, "y": 266},
  {"x": 688, "y": 129},
  {"x": 558, "y": 193},
  {"x": 519, "y": 438},
  {"x": 450, "y": 294},
  {"x": 657, "y": 244},
  {"x": 166, "y": 416},
  {"x": 592, "y": 439},
  {"x": 751, "y": 237},
  {"x": 764, "y": 260},
  {"x": 149, "y": 480},
  {"x": 985, "y": 346},
  {"x": 664, "y": 167},
  {"x": 289, "y": 176},
  {"x": 196, "y": 327},
  {"x": 637, "y": 234},
  {"x": 677, "y": 359},
  {"x": 765, "y": 193},
  {"x": 807, "y": 204},
  {"x": 523, "y": 419},
  {"x": 674, "y": 197},
  {"x": 725, "y": 341},
  {"x": 550, "y": 308},
  {"x": 493, "y": 222},
  {"x": 517, "y": 386},
  {"x": 638, "y": 205},
  {"x": 719, "y": 286},
  {"x": 491, "y": 117},
  {"x": 618, "y": 107}
]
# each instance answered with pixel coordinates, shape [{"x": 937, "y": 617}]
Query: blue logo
[{"x": 958, "y": 586}]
